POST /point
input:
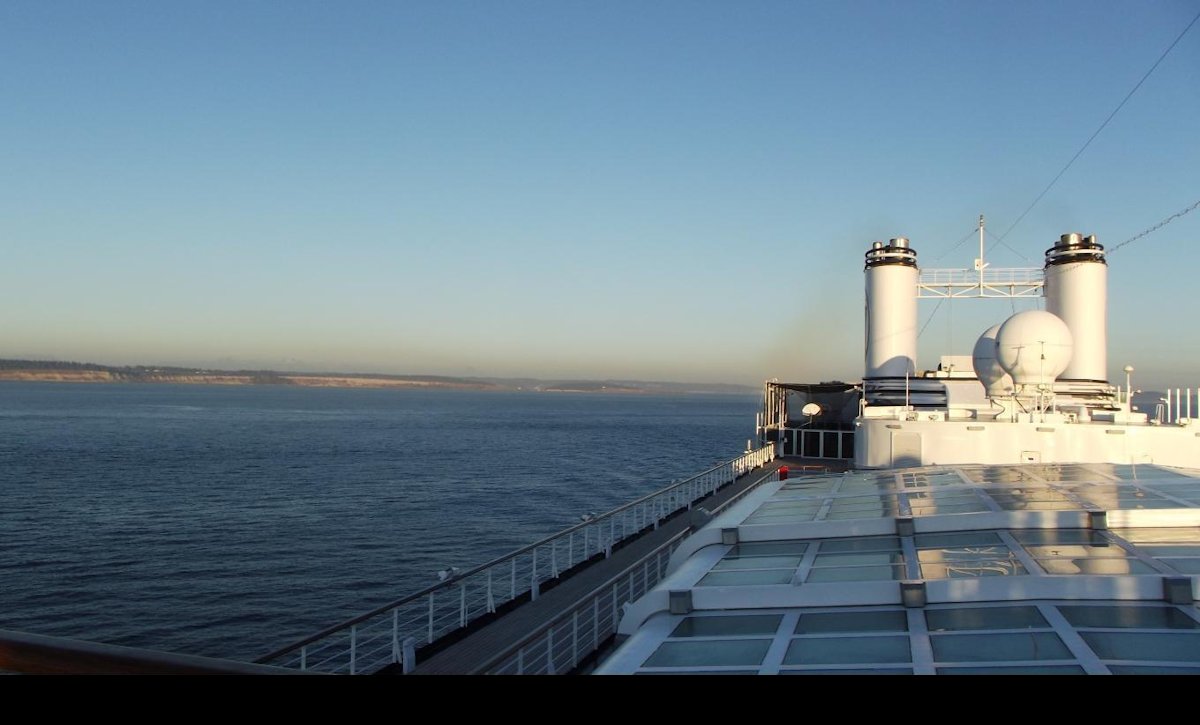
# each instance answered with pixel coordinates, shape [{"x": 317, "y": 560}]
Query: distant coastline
[{"x": 74, "y": 372}]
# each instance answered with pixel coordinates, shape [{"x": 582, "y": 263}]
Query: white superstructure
[
  {"x": 1030, "y": 521},
  {"x": 1040, "y": 392}
]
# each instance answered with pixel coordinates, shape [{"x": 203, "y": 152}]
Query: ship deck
[
  {"x": 1005, "y": 569},
  {"x": 476, "y": 651}
]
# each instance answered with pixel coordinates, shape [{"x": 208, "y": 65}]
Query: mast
[{"x": 980, "y": 263}]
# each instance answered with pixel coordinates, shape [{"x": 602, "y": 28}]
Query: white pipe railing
[
  {"x": 1177, "y": 410},
  {"x": 557, "y": 647},
  {"x": 382, "y": 636}
]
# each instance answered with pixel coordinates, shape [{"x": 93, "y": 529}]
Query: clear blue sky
[{"x": 654, "y": 190}]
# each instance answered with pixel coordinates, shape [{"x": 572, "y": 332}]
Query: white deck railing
[
  {"x": 993, "y": 282},
  {"x": 392, "y": 633},
  {"x": 563, "y": 643}
]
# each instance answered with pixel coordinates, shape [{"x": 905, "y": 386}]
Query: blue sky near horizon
[{"x": 664, "y": 190}]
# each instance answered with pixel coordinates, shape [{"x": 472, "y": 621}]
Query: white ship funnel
[
  {"x": 891, "y": 325},
  {"x": 996, "y": 382},
  {"x": 1077, "y": 292},
  {"x": 1034, "y": 347}
]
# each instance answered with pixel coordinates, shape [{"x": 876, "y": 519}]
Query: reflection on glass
[
  {"x": 850, "y": 671},
  {"x": 855, "y": 574},
  {"x": 1128, "y": 617},
  {"x": 941, "y": 541},
  {"x": 719, "y": 653},
  {"x": 1061, "y": 537},
  {"x": 1101, "y": 566},
  {"x": 768, "y": 548},
  {"x": 728, "y": 626},
  {"x": 847, "y": 650},
  {"x": 1013, "y": 670},
  {"x": 865, "y": 558},
  {"x": 998, "y": 647},
  {"x": 827, "y": 622},
  {"x": 965, "y": 555},
  {"x": 759, "y": 562},
  {"x": 746, "y": 578},
  {"x": 1152, "y": 670},
  {"x": 867, "y": 543},
  {"x": 938, "y": 620},
  {"x": 961, "y": 570},
  {"x": 1154, "y": 646},
  {"x": 1183, "y": 566}
]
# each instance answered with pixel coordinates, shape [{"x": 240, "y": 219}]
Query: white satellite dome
[
  {"x": 987, "y": 368},
  {"x": 1034, "y": 347}
]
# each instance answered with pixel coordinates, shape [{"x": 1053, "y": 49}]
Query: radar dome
[
  {"x": 1034, "y": 347},
  {"x": 987, "y": 368}
]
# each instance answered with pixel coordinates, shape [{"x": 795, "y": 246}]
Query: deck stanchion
[
  {"x": 430, "y": 617},
  {"x": 533, "y": 582},
  {"x": 395, "y": 635}
]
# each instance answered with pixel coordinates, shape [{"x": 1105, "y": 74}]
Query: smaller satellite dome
[
  {"x": 1034, "y": 347},
  {"x": 995, "y": 381}
]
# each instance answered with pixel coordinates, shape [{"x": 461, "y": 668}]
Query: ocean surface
[{"x": 227, "y": 520}]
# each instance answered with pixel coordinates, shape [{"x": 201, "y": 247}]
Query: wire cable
[
  {"x": 1156, "y": 227},
  {"x": 930, "y": 318},
  {"x": 1102, "y": 126},
  {"x": 957, "y": 244}
]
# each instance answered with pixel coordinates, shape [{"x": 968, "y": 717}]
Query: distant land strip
[{"x": 74, "y": 372}]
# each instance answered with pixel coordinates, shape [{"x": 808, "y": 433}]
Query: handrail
[
  {"x": 42, "y": 654},
  {"x": 991, "y": 275},
  {"x": 669, "y": 544},
  {"x": 644, "y": 511},
  {"x": 493, "y": 662}
]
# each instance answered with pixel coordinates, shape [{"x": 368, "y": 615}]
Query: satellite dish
[
  {"x": 811, "y": 409},
  {"x": 1034, "y": 347}
]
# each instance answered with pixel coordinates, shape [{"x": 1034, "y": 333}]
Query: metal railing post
[
  {"x": 395, "y": 635},
  {"x": 533, "y": 580},
  {"x": 410, "y": 655},
  {"x": 595, "y": 623},
  {"x": 574, "y": 637},
  {"x": 462, "y": 604}
]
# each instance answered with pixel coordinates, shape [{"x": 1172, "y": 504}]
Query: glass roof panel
[
  {"x": 1127, "y": 617},
  {"x": 829, "y": 622},
  {"x": 848, "y": 650},
  {"x": 998, "y": 647},
  {"x": 1152, "y": 646},
  {"x": 747, "y": 624},
  {"x": 716, "y": 653},
  {"x": 967, "y": 618}
]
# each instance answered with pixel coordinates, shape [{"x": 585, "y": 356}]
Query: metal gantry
[{"x": 982, "y": 281}]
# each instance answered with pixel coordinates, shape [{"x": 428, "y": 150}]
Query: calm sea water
[{"x": 228, "y": 520}]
